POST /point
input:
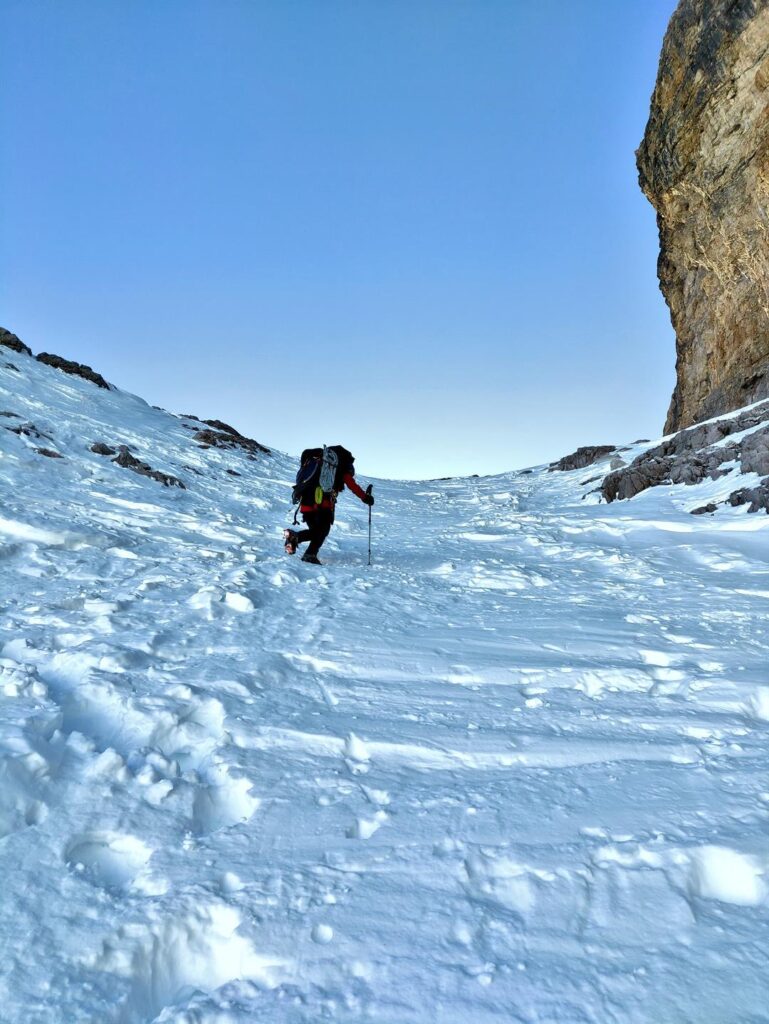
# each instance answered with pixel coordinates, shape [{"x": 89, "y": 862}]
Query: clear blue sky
[{"x": 409, "y": 226}]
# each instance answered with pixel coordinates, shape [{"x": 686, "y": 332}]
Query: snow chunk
[
  {"x": 239, "y": 602},
  {"x": 107, "y": 859},
  {"x": 355, "y": 748},
  {"x": 719, "y": 873},
  {"x": 758, "y": 704},
  {"x": 322, "y": 934},
  {"x": 199, "y": 949}
]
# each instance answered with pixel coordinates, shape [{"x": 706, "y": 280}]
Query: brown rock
[
  {"x": 129, "y": 461},
  {"x": 229, "y": 439},
  {"x": 704, "y": 165},
  {"x": 224, "y": 427},
  {"x": 76, "y": 369},
  {"x": 13, "y": 342}
]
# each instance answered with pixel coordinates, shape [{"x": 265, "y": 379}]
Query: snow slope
[{"x": 514, "y": 772}]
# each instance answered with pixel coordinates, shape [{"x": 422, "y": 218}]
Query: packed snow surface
[{"x": 513, "y": 772}]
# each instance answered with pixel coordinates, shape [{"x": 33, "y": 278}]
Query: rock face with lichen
[{"x": 704, "y": 165}]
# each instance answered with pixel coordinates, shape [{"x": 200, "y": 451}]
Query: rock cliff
[{"x": 704, "y": 165}]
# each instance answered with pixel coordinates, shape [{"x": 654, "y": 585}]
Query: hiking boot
[
  {"x": 290, "y": 541},
  {"x": 313, "y": 559}
]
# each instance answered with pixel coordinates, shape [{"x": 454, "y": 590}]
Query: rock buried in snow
[
  {"x": 582, "y": 457},
  {"x": 705, "y": 509},
  {"x": 29, "y": 430},
  {"x": 757, "y": 497},
  {"x": 76, "y": 369},
  {"x": 102, "y": 449},
  {"x": 128, "y": 461},
  {"x": 49, "y": 453}
]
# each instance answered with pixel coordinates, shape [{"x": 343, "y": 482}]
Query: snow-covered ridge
[{"x": 516, "y": 771}]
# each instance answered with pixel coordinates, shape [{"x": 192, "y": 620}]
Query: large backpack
[{"x": 321, "y": 470}]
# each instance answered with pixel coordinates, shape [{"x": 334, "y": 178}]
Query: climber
[{"x": 323, "y": 474}]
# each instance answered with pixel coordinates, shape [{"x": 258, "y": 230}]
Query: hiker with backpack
[{"x": 323, "y": 474}]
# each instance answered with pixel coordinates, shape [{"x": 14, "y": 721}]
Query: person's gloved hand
[{"x": 368, "y": 499}]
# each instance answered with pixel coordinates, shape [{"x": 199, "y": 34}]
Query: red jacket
[{"x": 329, "y": 502}]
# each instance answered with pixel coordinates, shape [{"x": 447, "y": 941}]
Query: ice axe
[{"x": 369, "y": 491}]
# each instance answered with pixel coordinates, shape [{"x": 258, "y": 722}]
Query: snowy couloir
[{"x": 514, "y": 772}]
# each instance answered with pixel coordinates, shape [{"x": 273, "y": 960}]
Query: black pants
[{"x": 318, "y": 527}]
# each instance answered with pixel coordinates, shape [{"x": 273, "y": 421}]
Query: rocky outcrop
[
  {"x": 13, "y": 342},
  {"x": 582, "y": 457},
  {"x": 9, "y": 340},
  {"x": 229, "y": 438},
  {"x": 705, "y": 452},
  {"x": 704, "y": 165},
  {"x": 76, "y": 369}
]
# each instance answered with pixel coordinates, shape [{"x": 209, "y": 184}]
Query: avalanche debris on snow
[{"x": 516, "y": 774}]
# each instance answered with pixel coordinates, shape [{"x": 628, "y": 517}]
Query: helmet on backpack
[
  {"x": 345, "y": 466},
  {"x": 322, "y": 470}
]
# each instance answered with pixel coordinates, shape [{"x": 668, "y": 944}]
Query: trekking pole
[{"x": 369, "y": 489}]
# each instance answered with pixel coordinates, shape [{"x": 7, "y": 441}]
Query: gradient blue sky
[{"x": 409, "y": 226}]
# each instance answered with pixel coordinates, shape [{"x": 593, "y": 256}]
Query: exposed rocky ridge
[
  {"x": 76, "y": 369},
  {"x": 704, "y": 165},
  {"x": 218, "y": 435},
  {"x": 700, "y": 453},
  {"x": 13, "y": 342}
]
